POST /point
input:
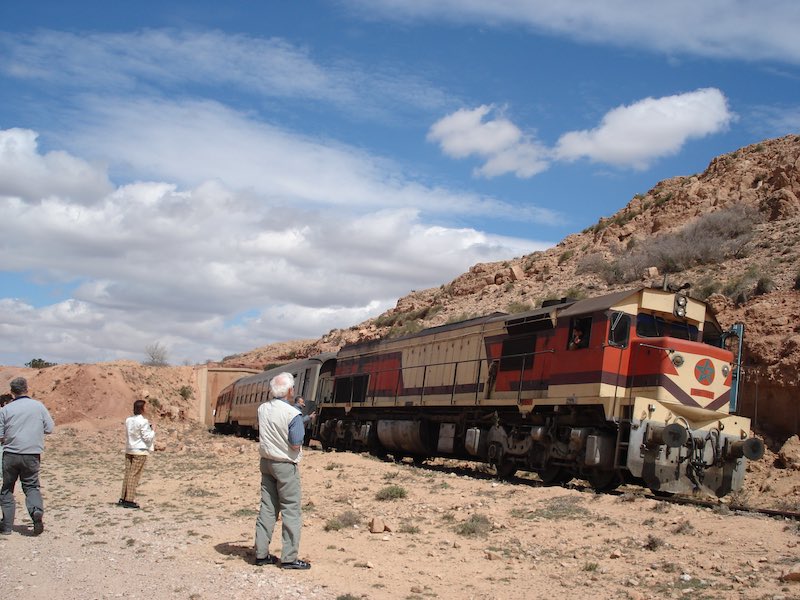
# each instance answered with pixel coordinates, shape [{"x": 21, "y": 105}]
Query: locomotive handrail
[
  {"x": 455, "y": 364},
  {"x": 664, "y": 348}
]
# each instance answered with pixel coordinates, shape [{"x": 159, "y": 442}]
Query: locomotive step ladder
[{"x": 621, "y": 450}]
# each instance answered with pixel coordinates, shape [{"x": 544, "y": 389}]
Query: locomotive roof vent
[
  {"x": 671, "y": 287},
  {"x": 554, "y": 301}
]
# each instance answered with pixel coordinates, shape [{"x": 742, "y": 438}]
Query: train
[
  {"x": 638, "y": 386},
  {"x": 236, "y": 406}
]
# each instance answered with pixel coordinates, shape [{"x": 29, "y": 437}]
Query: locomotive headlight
[
  {"x": 679, "y": 308},
  {"x": 725, "y": 370},
  {"x": 677, "y": 360}
]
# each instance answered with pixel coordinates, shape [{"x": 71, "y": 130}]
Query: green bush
[
  {"x": 391, "y": 492},
  {"x": 710, "y": 239},
  {"x": 518, "y": 307},
  {"x": 39, "y": 363},
  {"x": 405, "y": 329},
  {"x": 765, "y": 285},
  {"x": 742, "y": 289},
  {"x": 476, "y": 526},
  {"x": 565, "y": 256},
  {"x": 346, "y": 519},
  {"x": 704, "y": 290}
]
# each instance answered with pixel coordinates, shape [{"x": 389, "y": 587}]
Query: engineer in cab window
[{"x": 578, "y": 339}]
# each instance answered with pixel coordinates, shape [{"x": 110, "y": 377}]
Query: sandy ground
[{"x": 452, "y": 531}]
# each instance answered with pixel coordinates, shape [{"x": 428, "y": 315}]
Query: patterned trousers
[{"x": 134, "y": 464}]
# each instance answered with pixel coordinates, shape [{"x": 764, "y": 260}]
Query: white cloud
[
  {"x": 25, "y": 172},
  {"x": 727, "y": 29},
  {"x": 188, "y": 141},
  {"x": 501, "y": 143},
  {"x": 147, "y": 60},
  {"x": 652, "y": 128},
  {"x": 628, "y": 136},
  {"x": 158, "y": 261}
]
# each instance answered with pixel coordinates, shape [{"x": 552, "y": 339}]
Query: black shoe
[
  {"x": 296, "y": 564},
  {"x": 129, "y": 504},
  {"x": 269, "y": 559},
  {"x": 38, "y": 522},
  {"x": 120, "y": 502}
]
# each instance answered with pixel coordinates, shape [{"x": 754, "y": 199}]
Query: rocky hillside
[{"x": 731, "y": 231}]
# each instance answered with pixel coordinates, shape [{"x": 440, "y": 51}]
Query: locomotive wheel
[
  {"x": 378, "y": 451},
  {"x": 604, "y": 481},
  {"x": 554, "y": 475},
  {"x": 506, "y": 469}
]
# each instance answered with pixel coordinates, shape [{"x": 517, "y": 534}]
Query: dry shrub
[{"x": 710, "y": 239}]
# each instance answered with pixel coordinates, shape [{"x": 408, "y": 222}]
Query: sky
[{"x": 213, "y": 177}]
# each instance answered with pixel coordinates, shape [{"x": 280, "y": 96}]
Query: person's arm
[
  {"x": 297, "y": 432},
  {"x": 147, "y": 433},
  {"x": 47, "y": 421}
]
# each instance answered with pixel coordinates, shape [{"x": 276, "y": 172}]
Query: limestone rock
[{"x": 376, "y": 525}]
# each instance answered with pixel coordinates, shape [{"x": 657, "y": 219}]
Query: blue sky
[{"x": 219, "y": 176}]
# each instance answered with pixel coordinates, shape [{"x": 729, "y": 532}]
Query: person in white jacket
[{"x": 140, "y": 437}]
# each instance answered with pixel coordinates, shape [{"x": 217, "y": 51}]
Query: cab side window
[
  {"x": 579, "y": 330},
  {"x": 619, "y": 330}
]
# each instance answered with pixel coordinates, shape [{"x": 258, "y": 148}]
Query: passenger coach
[{"x": 237, "y": 405}]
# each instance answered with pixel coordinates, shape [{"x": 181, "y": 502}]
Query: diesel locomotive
[{"x": 638, "y": 386}]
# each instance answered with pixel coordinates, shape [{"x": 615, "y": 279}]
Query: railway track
[{"x": 471, "y": 470}]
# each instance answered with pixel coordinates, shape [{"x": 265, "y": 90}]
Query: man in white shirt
[
  {"x": 280, "y": 436},
  {"x": 139, "y": 443}
]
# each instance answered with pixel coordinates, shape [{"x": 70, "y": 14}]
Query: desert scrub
[
  {"x": 391, "y": 492},
  {"x": 408, "y": 527},
  {"x": 563, "y": 507},
  {"x": 684, "y": 527},
  {"x": 518, "y": 307},
  {"x": 653, "y": 543},
  {"x": 463, "y": 317},
  {"x": 346, "y": 519},
  {"x": 197, "y": 492},
  {"x": 477, "y": 525}
]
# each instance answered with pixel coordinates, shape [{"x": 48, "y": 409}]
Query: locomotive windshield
[{"x": 652, "y": 326}]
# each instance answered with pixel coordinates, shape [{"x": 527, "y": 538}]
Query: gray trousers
[
  {"x": 24, "y": 467},
  {"x": 280, "y": 493}
]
